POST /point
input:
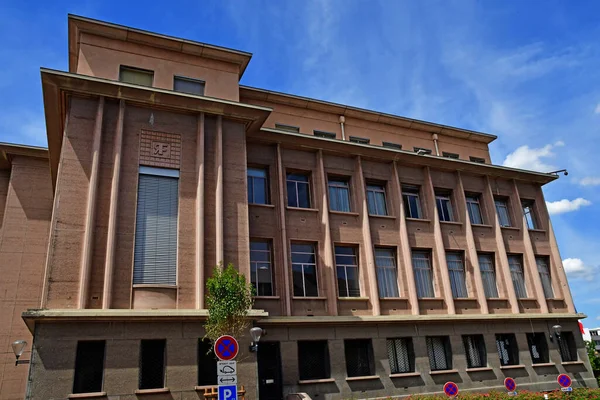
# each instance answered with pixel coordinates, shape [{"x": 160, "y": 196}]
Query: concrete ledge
[
  {"x": 548, "y": 364},
  {"x": 572, "y": 362},
  {"x": 362, "y": 378},
  {"x": 310, "y": 381},
  {"x": 444, "y": 371},
  {"x": 405, "y": 375},
  {"x": 86, "y": 395},
  {"x": 152, "y": 391},
  {"x": 517, "y": 366},
  {"x": 479, "y": 369}
]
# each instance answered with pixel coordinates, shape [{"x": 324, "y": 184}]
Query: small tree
[
  {"x": 228, "y": 301},
  {"x": 593, "y": 355}
]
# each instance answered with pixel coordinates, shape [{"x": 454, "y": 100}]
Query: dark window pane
[
  {"x": 292, "y": 194},
  {"x": 508, "y": 350},
  {"x": 89, "y": 367},
  {"x": 310, "y": 281},
  {"x": 359, "y": 357},
  {"x": 538, "y": 347},
  {"x": 207, "y": 364},
  {"x": 303, "y": 195},
  {"x": 187, "y": 85},
  {"x": 313, "y": 359},
  {"x": 152, "y": 364},
  {"x": 475, "y": 351}
]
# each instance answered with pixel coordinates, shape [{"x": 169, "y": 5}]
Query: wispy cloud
[
  {"x": 532, "y": 158},
  {"x": 577, "y": 269},
  {"x": 597, "y": 109},
  {"x": 564, "y": 205},
  {"x": 590, "y": 181}
]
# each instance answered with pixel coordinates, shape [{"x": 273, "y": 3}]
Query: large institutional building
[{"x": 389, "y": 255}]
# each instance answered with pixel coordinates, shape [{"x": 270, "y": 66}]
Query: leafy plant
[
  {"x": 593, "y": 354},
  {"x": 228, "y": 301}
]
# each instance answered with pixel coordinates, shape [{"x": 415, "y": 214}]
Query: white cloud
[
  {"x": 564, "y": 205},
  {"x": 534, "y": 159},
  {"x": 590, "y": 181},
  {"x": 597, "y": 109},
  {"x": 576, "y": 268}
]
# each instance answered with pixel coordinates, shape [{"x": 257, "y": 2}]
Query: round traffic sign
[
  {"x": 451, "y": 389},
  {"x": 564, "y": 380},
  {"x": 510, "y": 384},
  {"x": 226, "y": 348}
]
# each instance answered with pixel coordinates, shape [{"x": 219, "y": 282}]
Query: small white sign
[
  {"x": 227, "y": 380},
  {"x": 226, "y": 368},
  {"x": 512, "y": 393},
  {"x": 567, "y": 389}
]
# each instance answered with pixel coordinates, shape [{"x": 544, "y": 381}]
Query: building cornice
[{"x": 9, "y": 150}]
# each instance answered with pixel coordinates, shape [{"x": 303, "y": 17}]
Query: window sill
[
  {"x": 153, "y": 286},
  {"x": 510, "y": 228},
  {"x": 362, "y": 378},
  {"x": 548, "y": 364},
  {"x": 393, "y": 299},
  {"x": 348, "y": 213},
  {"x": 465, "y": 299},
  {"x": 301, "y": 209},
  {"x": 572, "y": 363},
  {"x": 353, "y": 298},
  {"x": 266, "y": 297},
  {"x": 497, "y": 298},
  {"x": 482, "y": 226},
  {"x": 430, "y": 299},
  {"x": 152, "y": 391},
  {"x": 382, "y": 216},
  {"x": 309, "y": 298},
  {"x": 86, "y": 395},
  {"x": 451, "y": 223},
  {"x": 405, "y": 375},
  {"x": 262, "y": 205},
  {"x": 516, "y": 366},
  {"x": 418, "y": 219},
  {"x": 537, "y": 230},
  {"x": 480, "y": 369},
  {"x": 443, "y": 372},
  {"x": 311, "y": 381}
]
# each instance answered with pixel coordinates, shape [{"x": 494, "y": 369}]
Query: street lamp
[
  {"x": 18, "y": 347},
  {"x": 556, "y": 330},
  {"x": 255, "y": 333}
]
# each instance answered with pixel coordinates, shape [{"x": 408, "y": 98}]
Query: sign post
[
  {"x": 511, "y": 386},
  {"x": 564, "y": 381},
  {"x": 451, "y": 389},
  {"x": 226, "y": 349}
]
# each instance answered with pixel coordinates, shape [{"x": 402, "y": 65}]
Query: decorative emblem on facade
[{"x": 160, "y": 149}]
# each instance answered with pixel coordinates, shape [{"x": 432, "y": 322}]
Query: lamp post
[
  {"x": 18, "y": 347},
  {"x": 557, "y": 330},
  {"x": 256, "y": 333}
]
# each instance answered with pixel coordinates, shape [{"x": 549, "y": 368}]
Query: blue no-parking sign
[{"x": 228, "y": 392}]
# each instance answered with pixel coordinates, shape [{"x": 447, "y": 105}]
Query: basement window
[
  {"x": 207, "y": 364},
  {"x": 359, "y": 357},
  {"x": 89, "y": 367},
  {"x": 152, "y": 364},
  {"x": 313, "y": 359}
]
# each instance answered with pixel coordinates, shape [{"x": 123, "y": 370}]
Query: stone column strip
[
  {"x": 287, "y": 296},
  {"x": 219, "y": 192},
  {"x": 200, "y": 212}
]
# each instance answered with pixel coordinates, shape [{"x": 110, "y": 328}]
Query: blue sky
[{"x": 526, "y": 71}]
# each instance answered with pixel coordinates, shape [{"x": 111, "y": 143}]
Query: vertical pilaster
[
  {"x": 367, "y": 240},
  {"x": 502, "y": 257},
  {"x": 329, "y": 264},
  {"x": 113, "y": 210},
  {"x": 529, "y": 253},
  {"x": 219, "y": 192},
  {"x": 90, "y": 212},
  {"x": 287, "y": 296},
  {"x": 440, "y": 251},
  {"x": 200, "y": 212},
  {"x": 405, "y": 247},
  {"x": 471, "y": 250}
]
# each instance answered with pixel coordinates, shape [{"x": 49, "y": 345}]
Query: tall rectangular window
[
  {"x": 502, "y": 210},
  {"x": 475, "y": 351},
  {"x": 387, "y": 272},
  {"x": 136, "y": 76},
  {"x": 339, "y": 194},
  {"x": 298, "y": 190},
  {"x": 313, "y": 359},
  {"x": 258, "y": 187},
  {"x": 260, "y": 267},
  {"x": 188, "y": 85},
  {"x": 304, "y": 270},
  {"x": 207, "y": 364},
  {"x": 567, "y": 346},
  {"x": 508, "y": 351},
  {"x": 155, "y": 252},
  {"x": 423, "y": 272},
  {"x": 538, "y": 347},
  {"x": 529, "y": 213},
  {"x": 412, "y": 203},
  {"x": 544, "y": 271},
  {"x": 89, "y": 367},
  {"x": 456, "y": 269},
  {"x": 488, "y": 275},
  {"x": 515, "y": 264},
  {"x": 376, "y": 199},
  {"x": 359, "y": 357},
  {"x": 152, "y": 364},
  {"x": 439, "y": 352},
  {"x": 474, "y": 209},
  {"x": 444, "y": 205},
  {"x": 346, "y": 263},
  {"x": 401, "y": 355}
]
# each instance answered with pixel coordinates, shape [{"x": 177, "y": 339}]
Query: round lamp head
[
  {"x": 18, "y": 347},
  {"x": 256, "y": 333},
  {"x": 557, "y": 329}
]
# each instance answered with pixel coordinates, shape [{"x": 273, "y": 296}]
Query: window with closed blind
[
  {"x": 137, "y": 76},
  {"x": 155, "y": 255},
  {"x": 188, "y": 85},
  {"x": 456, "y": 270},
  {"x": 439, "y": 352},
  {"x": 401, "y": 355}
]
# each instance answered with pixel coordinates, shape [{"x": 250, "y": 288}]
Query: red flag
[{"x": 581, "y": 327}]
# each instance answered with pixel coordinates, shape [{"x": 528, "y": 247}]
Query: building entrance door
[{"x": 270, "y": 386}]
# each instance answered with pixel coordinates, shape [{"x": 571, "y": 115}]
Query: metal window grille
[
  {"x": 568, "y": 349},
  {"x": 456, "y": 270},
  {"x": 152, "y": 364},
  {"x": 488, "y": 275},
  {"x": 207, "y": 363},
  {"x": 313, "y": 359},
  {"x": 450, "y": 155},
  {"x": 258, "y": 192},
  {"x": 391, "y": 145},
  {"x": 517, "y": 275},
  {"x": 346, "y": 263},
  {"x": 477, "y": 159},
  {"x": 474, "y": 210},
  {"x": 412, "y": 204},
  {"x": 529, "y": 214},
  {"x": 508, "y": 351},
  {"x": 387, "y": 272},
  {"x": 376, "y": 199},
  {"x": 502, "y": 210},
  {"x": 188, "y": 85},
  {"x": 89, "y": 367},
  {"x": 475, "y": 351},
  {"x": 538, "y": 347},
  {"x": 324, "y": 134},
  {"x": 359, "y": 357},
  {"x": 360, "y": 140},
  {"x": 401, "y": 355},
  {"x": 260, "y": 267},
  {"x": 544, "y": 271},
  {"x": 304, "y": 270},
  {"x": 339, "y": 194},
  {"x": 440, "y": 355},
  {"x": 155, "y": 252},
  {"x": 423, "y": 273},
  {"x": 444, "y": 207},
  {"x": 298, "y": 190}
]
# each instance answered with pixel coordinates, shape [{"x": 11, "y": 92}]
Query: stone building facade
[{"x": 389, "y": 255}]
